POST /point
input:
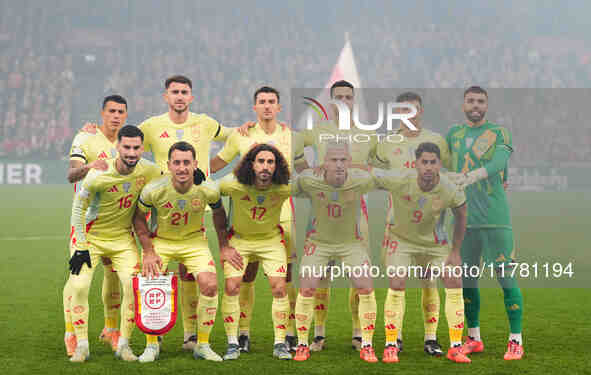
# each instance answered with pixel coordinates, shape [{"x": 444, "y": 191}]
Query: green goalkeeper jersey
[{"x": 487, "y": 146}]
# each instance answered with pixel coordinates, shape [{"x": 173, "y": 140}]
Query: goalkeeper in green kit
[{"x": 479, "y": 152}]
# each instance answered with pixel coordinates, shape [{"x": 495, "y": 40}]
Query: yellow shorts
[
  {"x": 194, "y": 254},
  {"x": 397, "y": 252},
  {"x": 287, "y": 223},
  {"x": 122, "y": 251},
  {"x": 270, "y": 252},
  {"x": 318, "y": 255}
]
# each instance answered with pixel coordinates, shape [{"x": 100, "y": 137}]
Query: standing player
[
  {"x": 266, "y": 130},
  {"x": 480, "y": 150},
  {"x": 419, "y": 198},
  {"x": 401, "y": 156},
  {"x": 361, "y": 154},
  {"x": 177, "y": 205},
  {"x": 257, "y": 190},
  {"x": 89, "y": 151},
  {"x": 104, "y": 206},
  {"x": 336, "y": 200}
]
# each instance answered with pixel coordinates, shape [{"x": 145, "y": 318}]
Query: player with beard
[
  {"x": 102, "y": 219},
  {"x": 480, "y": 151}
]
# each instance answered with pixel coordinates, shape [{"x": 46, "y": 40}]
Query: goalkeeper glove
[
  {"x": 472, "y": 177},
  {"x": 198, "y": 176},
  {"x": 77, "y": 261}
]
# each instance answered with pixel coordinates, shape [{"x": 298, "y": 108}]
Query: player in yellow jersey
[
  {"x": 177, "y": 205},
  {"x": 257, "y": 189},
  {"x": 266, "y": 130},
  {"x": 361, "y": 154},
  {"x": 199, "y": 130},
  {"x": 401, "y": 156},
  {"x": 336, "y": 201},
  {"x": 102, "y": 219},
  {"x": 89, "y": 151},
  {"x": 420, "y": 197}
]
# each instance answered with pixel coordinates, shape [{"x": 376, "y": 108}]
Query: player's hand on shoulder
[
  {"x": 231, "y": 255},
  {"x": 99, "y": 164},
  {"x": 319, "y": 170},
  {"x": 89, "y": 127},
  {"x": 77, "y": 261},
  {"x": 243, "y": 129}
]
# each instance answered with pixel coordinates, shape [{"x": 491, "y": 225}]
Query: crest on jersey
[
  {"x": 155, "y": 303},
  {"x": 483, "y": 143},
  {"x": 195, "y": 133},
  {"x": 179, "y": 134},
  {"x": 334, "y": 195},
  {"x": 126, "y": 186},
  {"x": 260, "y": 199},
  {"x": 196, "y": 204},
  {"x": 469, "y": 141},
  {"x": 181, "y": 203},
  {"x": 140, "y": 182},
  {"x": 113, "y": 153},
  {"x": 422, "y": 202}
]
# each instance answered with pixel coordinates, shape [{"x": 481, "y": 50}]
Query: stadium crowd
[{"x": 55, "y": 64}]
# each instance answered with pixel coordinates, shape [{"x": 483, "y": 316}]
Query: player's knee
[
  {"x": 307, "y": 292},
  {"x": 397, "y": 284},
  {"x": 232, "y": 288},
  {"x": 278, "y": 290},
  {"x": 452, "y": 282},
  {"x": 208, "y": 288},
  {"x": 364, "y": 291}
]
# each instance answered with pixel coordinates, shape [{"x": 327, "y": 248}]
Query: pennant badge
[
  {"x": 181, "y": 203},
  {"x": 126, "y": 186},
  {"x": 179, "y": 134},
  {"x": 260, "y": 199}
]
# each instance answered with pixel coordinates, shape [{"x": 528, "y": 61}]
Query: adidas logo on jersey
[
  {"x": 103, "y": 155},
  {"x": 281, "y": 269},
  {"x": 211, "y": 263},
  {"x": 245, "y": 198},
  {"x": 164, "y": 135},
  {"x": 113, "y": 189},
  {"x": 167, "y": 205}
]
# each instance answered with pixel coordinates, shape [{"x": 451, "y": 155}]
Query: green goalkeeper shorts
[{"x": 492, "y": 245}]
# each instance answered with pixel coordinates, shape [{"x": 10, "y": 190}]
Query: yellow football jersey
[
  {"x": 177, "y": 216},
  {"x": 106, "y": 202},
  {"x": 254, "y": 214},
  {"x": 401, "y": 155},
  {"x": 362, "y": 144},
  {"x": 199, "y": 130},
  {"x": 336, "y": 211},
  {"x": 419, "y": 218},
  {"x": 88, "y": 147},
  {"x": 239, "y": 145}
]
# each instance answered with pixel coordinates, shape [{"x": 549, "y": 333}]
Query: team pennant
[
  {"x": 126, "y": 186},
  {"x": 334, "y": 196},
  {"x": 155, "y": 303},
  {"x": 260, "y": 199},
  {"x": 179, "y": 134},
  {"x": 181, "y": 203}
]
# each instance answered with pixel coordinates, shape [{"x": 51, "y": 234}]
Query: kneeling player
[
  {"x": 336, "y": 205},
  {"x": 177, "y": 205},
  {"x": 418, "y": 237},
  {"x": 105, "y": 205},
  {"x": 257, "y": 190}
]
